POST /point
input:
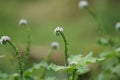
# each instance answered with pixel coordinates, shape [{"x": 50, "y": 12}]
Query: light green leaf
[
  {"x": 57, "y": 68},
  {"x": 36, "y": 67}
]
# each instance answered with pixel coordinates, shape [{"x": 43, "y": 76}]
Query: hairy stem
[
  {"x": 65, "y": 52},
  {"x": 47, "y": 61},
  {"x": 48, "y": 55},
  {"x": 100, "y": 27},
  {"x": 19, "y": 61},
  {"x": 28, "y": 46},
  {"x": 73, "y": 74}
]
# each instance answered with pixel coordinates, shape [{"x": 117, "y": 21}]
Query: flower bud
[
  {"x": 4, "y": 39},
  {"x": 23, "y": 22},
  {"x": 55, "y": 45},
  {"x": 58, "y": 30},
  {"x": 83, "y": 4},
  {"x": 117, "y": 27},
  {"x": 117, "y": 50}
]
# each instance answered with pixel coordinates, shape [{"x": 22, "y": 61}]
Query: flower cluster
[
  {"x": 4, "y": 39},
  {"x": 83, "y": 4},
  {"x": 117, "y": 27},
  {"x": 23, "y": 22},
  {"x": 58, "y": 30},
  {"x": 55, "y": 45}
]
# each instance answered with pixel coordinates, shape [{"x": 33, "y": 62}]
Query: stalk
[
  {"x": 47, "y": 61},
  {"x": 65, "y": 52},
  {"x": 19, "y": 61},
  {"x": 74, "y": 73},
  {"x": 100, "y": 27},
  {"x": 27, "y": 54}
]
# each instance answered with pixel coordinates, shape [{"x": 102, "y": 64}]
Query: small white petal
[
  {"x": 117, "y": 27},
  {"x": 83, "y": 4},
  {"x": 58, "y": 30},
  {"x": 55, "y": 45},
  {"x": 23, "y": 22},
  {"x": 4, "y": 39},
  {"x": 118, "y": 50}
]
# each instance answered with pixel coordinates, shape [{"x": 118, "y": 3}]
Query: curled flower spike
[
  {"x": 83, "y": 4},
  {"x": 55, "y": 45},
  {"x": 117, "y": 27},
  {"x": 4, "y": 39},
  {"x": 58, "y": 30},
  {"x": 23, "y": 22}
]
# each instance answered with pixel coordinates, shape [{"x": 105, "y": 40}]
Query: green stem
[
  {"x": 74, "y": 73},
  {"x": 66, "y": 48},
  {"x": 47, "y": 61},
  {"x": 19, "y": 61},
  {"x": 91, "y": 13},
  {"x": 28, "y": 46},
  {"x": 96, "y": 19},
  {"x": 43, "y": 70},
  {"x": 49, "y": 55},
  {"x": 65, "y": 52}
]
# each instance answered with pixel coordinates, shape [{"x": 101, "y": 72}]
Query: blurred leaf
[
  {"x": 105, "y": 42},
  {"x": 78, "y": 63},
  {"x": 57, "y": 68},
  {"x": 88, "y": 59},
  {"x": 36, "y": 67},
  {"x": 116, "y": 69},
  {"x": 51, "y": 78}
]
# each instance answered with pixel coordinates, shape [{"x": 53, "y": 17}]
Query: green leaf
[
  {"x": 116, "y": 69},
  {"x": 36, "y": 67},
  {"x": 105, "y": 42},
  {"x": 51, "y": 78},
  {"x": 77, "y": 62},
  {"x": 83, "y": 62},
  {"x": 57, "y": 68}
]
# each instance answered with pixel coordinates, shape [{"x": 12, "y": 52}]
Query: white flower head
[
  {"x": 117, "y": 50},
  {"x": 58, "y": 30},
  {"x": 55, "y": 45},
  {"x": 117, "y": 27},
  {"x": 4, "y": 39},
  {"x": 83, "y": 3},
  {"x": 23, "y": 22}
]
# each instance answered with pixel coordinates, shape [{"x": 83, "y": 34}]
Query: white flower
[
  {"x": 23, "y": 22},
  {"x": 118, "y": 50},
  {"x": 117, "y": 27},
  {"x": 4, "y": 39},
  {"x": 58, "y": 30},
  {"x": 83, "y": 4},
  {"x": 55, "y": 45}
]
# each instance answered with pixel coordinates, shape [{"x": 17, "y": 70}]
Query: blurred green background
[{"x": 45, "y": 15}]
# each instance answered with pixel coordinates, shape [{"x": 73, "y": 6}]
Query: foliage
[
  {"x": 78, "y": 63},
  {"x": 75, "y": 65}
]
